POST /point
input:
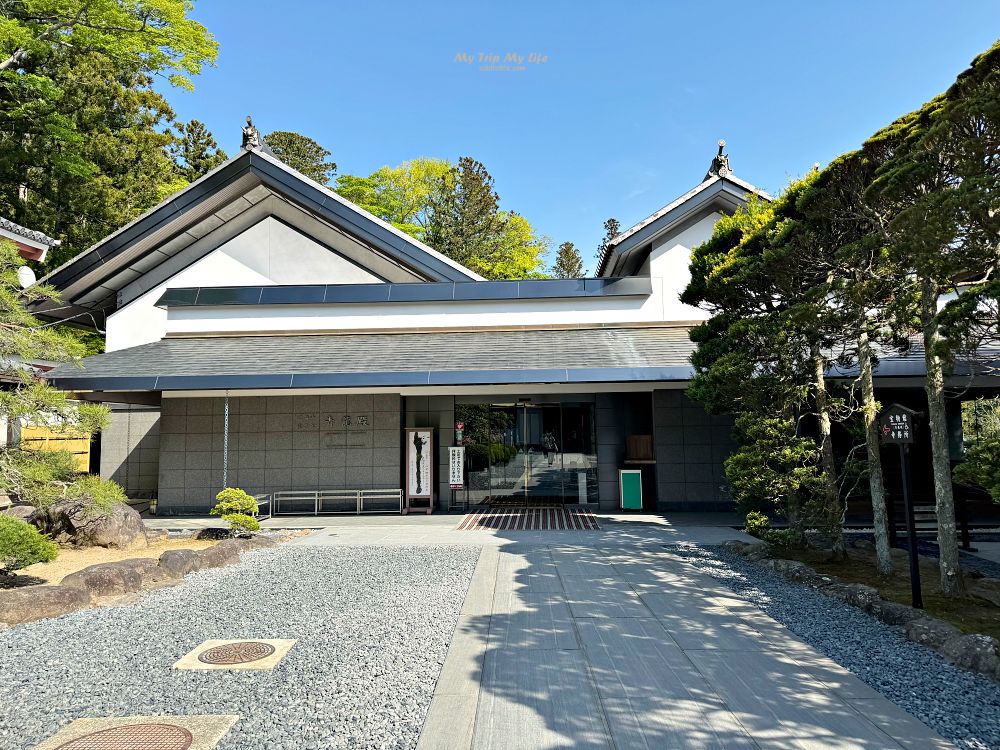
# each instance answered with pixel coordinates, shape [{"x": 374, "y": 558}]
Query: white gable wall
[
  {"x": 268, "y": 253},
  {"x": 670, "y": 261},
  {"x": 272, "y": 253}
]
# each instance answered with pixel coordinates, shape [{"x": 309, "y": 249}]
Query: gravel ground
[
  {"x": 372, "y": 623},
  {"x": 961, "y": 706}
]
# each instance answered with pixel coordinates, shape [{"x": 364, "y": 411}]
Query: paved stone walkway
[{"x": 564, "y": 645}]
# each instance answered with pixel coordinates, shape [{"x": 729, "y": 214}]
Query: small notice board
[
  {"x": 456, "y": 467},
  {"x": 630, "y": 488}
]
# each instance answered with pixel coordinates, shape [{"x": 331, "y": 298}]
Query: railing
[
  {"x": 263, "y": 500},
  {"x": 318, "y": 502}
]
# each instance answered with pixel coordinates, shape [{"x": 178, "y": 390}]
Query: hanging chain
[
  {"x": 225, "y": 442},
  {"x": 128, "y": 448}
]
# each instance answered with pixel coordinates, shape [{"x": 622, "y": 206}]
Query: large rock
[
  {"x": 986, "y": 588},
  {"x": 36, "y": 602},
  {"x": 82, "y": 524},
  {"x": 179, "y": 562},
  {"x": 749, "y": 550},
  {"x": 893, "y": 613},
  {"x": 23, "y": 512},
  {"x": 863, "y": 597},
  {"x": 931, "y": 632},
  {"x": 223, "y": 553},
  {"x": 106, "y": 579},
  {"x": 978, "y": 652},
  {"x": 793, "y": 570}
]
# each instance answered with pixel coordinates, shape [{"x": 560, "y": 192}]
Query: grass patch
[{"x": 968, "y": 614}]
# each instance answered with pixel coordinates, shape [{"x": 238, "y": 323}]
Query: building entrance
[{"x": 526, "y": 453}]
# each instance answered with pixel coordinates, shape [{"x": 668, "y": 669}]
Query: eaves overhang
[{"x": 467, "y": 291}]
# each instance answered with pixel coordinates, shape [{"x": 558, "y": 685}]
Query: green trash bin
[{"x": 630, "y": 488}]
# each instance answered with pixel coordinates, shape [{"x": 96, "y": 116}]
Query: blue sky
[{"x": 622, "y": 110}]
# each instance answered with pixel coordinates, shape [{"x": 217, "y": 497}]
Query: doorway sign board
[
  {"x": 419, "y": 445},
  {"x": 630, "y": 489},
  {"x": 456, "y": 467}
]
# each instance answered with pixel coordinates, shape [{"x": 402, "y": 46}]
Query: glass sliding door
[{"x": 528, "y": 453}]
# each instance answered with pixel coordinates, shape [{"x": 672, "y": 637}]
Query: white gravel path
[{"x": 373, "y": 626}]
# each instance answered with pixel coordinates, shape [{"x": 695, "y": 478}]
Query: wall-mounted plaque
[{"x": 419, "y": 445}]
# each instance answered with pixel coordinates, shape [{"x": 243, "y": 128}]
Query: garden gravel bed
[
  {"x": 373, "y": 626},
  {"x": 962, "y": 706}
]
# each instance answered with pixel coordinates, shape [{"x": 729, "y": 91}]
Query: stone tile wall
[
  {"x": 277, "y": 443},
  {"x": 130, "y": 449},
  {"x": 691, "y": 446}
]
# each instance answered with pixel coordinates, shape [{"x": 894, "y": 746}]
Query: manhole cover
[
  {"x": 134, "y": 737},
  {"x": 236, "y": 653}
]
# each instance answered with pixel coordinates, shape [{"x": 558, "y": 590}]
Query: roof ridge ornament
[
  {"x": 720, "y": 164},
  {"x": 251, "y": 137}
]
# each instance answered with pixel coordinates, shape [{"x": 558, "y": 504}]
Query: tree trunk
[
  {"x": 832, "y": 504},
  {"x": 947, "y": 536},
  {"x": 883, "y": 558}
]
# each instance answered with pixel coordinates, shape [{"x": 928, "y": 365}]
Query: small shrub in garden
[
  {"x": 238, "y": 509},
  {"x": 758, "y": 525},
  {"x": 21, "y": 545}
]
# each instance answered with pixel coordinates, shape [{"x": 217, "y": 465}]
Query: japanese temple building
[{"x": 265, "y": 333}]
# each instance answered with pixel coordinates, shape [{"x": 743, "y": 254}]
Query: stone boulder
[
  {"x": 22, "y": 512},
  {"x": 931, "y": 632},
  {"x": 793, "y": 570},
  {"x": 106, "y": 579},
  {"x": 223, "y": 553},
  {"x": 177, "y": 563},
  {"x": 893, "y": 613},
  {"x": 37, "y": 602},
  {"x": 986, "y": 588},
  {"x": 77, "y": 522},
  {"x": 749, "y": 550},
  {"x": 977, "y": 652},
  {"x": 862, "y": 597}
]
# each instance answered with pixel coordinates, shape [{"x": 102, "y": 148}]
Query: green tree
[
  {"x": 611, "y": 230},
  {"x": 768, "y": 287},
  {"x": 399, "y": 195},
  {"x": 940, "y": 180},
  {"x": 106, "y": 165},
  {"x": 464, "y": 222},
  {"x": 81, "y": 130},
  {"x": 195, "y": 151},
  {"x": 302, "y": 154},
  {"x": 156, "y": 32},
  {"x": 569, "y": 264}
]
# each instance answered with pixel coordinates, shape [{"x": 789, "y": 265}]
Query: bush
[
  {"x": 981, "y": 467},
  {"x": 101, "y": 494},
  {"x": 758, "y": 525},
  {"x": 36, "y": 477},
  {"x": 21, "y": 545},
  {"x": 238, "y": 509}
]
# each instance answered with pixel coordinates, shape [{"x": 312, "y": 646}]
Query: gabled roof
[
  {"x": 91, "y": 281},
  {"x": 33, "y": 244},
  {"x": 725, "y": 192}
]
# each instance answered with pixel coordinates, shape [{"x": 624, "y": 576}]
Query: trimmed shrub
[
  {"x": 757, "y": 524},
  {"x": 21, "y": 545},
  {"x": 238, "y": 509}
]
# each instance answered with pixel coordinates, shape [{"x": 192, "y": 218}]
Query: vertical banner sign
[
  {"x": 420, "y": 468},
  {"x": 456, "y": 467}
]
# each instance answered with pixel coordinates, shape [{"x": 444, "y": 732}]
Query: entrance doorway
[{"x": 530, "y": 454}]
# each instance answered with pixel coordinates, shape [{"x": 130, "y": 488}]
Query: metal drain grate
[
  {"x": 134, "y": 737},
  {"x": 236, "y": 653}
]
